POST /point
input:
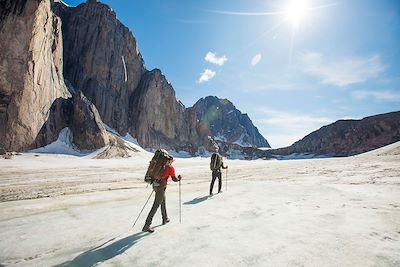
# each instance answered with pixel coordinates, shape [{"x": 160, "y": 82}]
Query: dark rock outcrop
[
  {"x": 88, "y": 132},
  {"x": 59, "y": 118},
  {"x": 348, "y": 137},
  {"x": 30, "y": 70},
  {"x": 226, "y": 124},
  {"x": 87, "y": 128}
]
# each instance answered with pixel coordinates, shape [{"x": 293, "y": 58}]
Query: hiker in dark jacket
[
  {"x": 215, "y": 165},
  {"x": 159, "y": 187}
]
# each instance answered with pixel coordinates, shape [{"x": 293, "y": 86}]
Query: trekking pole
[
  {"x": 180, "y": 206},
  {"x": 142, "y": 209},
  {"x": 226, "y": 180}
]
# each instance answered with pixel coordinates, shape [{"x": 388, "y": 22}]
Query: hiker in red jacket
[{"x": 159, "y": 187}]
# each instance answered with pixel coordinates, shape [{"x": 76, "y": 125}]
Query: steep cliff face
[
  {"x": 226, "y": 124},
  {"x": 158, "y": 119},
  {"x": 349, "y": 137},
  {"x": 102, "y": 59},
  {"x": 30, "y": 70}
]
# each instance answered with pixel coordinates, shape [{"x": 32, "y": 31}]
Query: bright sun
[{"x": 296, "y": 11}]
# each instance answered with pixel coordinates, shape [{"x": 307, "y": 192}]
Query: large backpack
[
  {"x": 216, "y": 162},
  {"x": 157, "y": 166}
]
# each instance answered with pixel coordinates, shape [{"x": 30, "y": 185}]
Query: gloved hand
[{"x": 179, "y": 177}]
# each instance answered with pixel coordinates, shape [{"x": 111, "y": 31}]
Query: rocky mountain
[
  {"x": 31, "y": 70},
  {"x": 226, "y": 124},
  {"x": 106, "y": 65},
  {"x": 348, "y": 137},
  {"x": 101, "y": 58},
  {"x": 158, "y": 119},
  {"x": 49, "y": 45},
  {"x": 35, "y": 102}
]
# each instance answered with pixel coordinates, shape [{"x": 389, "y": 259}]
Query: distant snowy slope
[
  {"x": 392, "y": 149},
  {"x": 119, "y": 147}
]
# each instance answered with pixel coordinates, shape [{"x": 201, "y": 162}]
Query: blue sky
[{"x": 292, "y": 66}]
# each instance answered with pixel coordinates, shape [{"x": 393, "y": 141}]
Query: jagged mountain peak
[
  {"x": 226, "y": 123},
  {"x": 214, "y": 105},
  {"x": 215, "y": 100}
]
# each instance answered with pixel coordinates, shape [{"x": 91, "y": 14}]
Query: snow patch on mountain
[{"x": 63, "y": 145}]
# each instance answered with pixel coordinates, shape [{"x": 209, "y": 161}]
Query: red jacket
[{"x": 169, "y": 172}]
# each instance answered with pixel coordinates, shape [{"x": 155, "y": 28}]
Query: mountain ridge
[{"x": 348, "y": 137}]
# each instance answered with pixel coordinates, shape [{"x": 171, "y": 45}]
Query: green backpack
[{"x": 216, "y": 162}]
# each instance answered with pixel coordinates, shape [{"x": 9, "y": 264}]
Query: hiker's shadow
[
  {"x": 196, "y": 200},
  {"x": 100, "y": 254}
]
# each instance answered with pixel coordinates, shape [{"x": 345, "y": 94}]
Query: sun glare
[{"x": 296, "y": 11}]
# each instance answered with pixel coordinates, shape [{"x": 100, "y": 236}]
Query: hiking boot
[
  {"x": 147, "y": 229},
  {"x": 211, "y": 194},
  {"x": 165, "y": 221}
]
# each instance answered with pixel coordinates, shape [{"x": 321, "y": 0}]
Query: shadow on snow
[
  {"x": 196, "y": 200},
  {"x": 101, "y": 254}
]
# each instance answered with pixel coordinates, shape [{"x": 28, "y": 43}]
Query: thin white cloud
[
  {"x": 385, "y": 96},
  {"x": 256, "y": 59},
  {"x": 206, "y": 75},
  {"x": 266, "y": 13},
  {"x": 342, "y": 72},
  {"x": 212, "y": 58},
  {"x": 284, "y": 128}
]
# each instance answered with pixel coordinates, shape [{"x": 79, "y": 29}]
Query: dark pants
[
  {"x": 159, "y": 199},
  {"x": 216, "y": 174}
]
